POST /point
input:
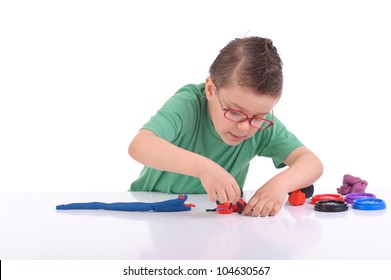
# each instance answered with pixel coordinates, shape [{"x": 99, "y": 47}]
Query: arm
[
  {"x": 304, "y": 169},
  {"x": 157, "y": 153}
]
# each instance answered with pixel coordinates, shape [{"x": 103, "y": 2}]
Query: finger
[
  {"x": 258, "y": 208},
  {"x": 212, "y": 196},
  {"x": 266, "y": 209},
  {"x": 238, "y": 193},
  {"x": 273, "y": 212},
  {"x": 222, "y": 196},
  {"x": 247, "y": 211},
  {"x": 249, "y": 207},
  {"x": 256, "y": 211},
  {"x": 231, "y": 195}
]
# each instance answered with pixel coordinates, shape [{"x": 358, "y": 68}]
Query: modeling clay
[
  {"x": 351, "y": 197},
  {"x": 326, "y": 196},
  {"x": 331, "y": 206},
  {"x": 351, "y": 184},
  {"x": 296, "y": 198},
  {"x": 228, "y": 208},
  {"x": 369, "y": 203},
  {"x": 172, "y": 205}
]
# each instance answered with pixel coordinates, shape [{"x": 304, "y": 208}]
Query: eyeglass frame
[{"x": 225, "y": 110}]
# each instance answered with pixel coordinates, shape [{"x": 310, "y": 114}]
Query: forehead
[{"x": 247, "y": 100}]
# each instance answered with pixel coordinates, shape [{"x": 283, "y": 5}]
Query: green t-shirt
[{"x": 184, "y": 121}]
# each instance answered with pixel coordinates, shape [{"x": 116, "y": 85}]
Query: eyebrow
[{"x": 243, "y": 109}]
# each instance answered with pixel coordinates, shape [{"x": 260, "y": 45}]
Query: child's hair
[{"x": 251, "y": 62}]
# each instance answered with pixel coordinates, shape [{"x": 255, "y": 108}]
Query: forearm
[
  {"x": 157, "y": 153},
  {"x": 304, "y": 172},
  {"x": 304, "y": 169}
]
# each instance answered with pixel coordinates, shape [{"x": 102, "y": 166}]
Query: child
[{"x": 203, "y": 138}]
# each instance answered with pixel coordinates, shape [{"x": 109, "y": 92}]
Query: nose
[{"x": 244, "y": 125}]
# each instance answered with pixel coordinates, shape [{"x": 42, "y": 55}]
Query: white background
[{"x": 79, "y": 78}]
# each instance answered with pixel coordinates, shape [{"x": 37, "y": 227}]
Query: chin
[{"x": 231, "y": 142}]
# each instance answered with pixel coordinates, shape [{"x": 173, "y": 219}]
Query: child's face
[{"x": 239, "y": 99}]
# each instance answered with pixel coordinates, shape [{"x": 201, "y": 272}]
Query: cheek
[
  {"x": 251, "y": 132},
  {"x": 223, "y": 125},
  {"x": 220, "y": 125},
  {"x": 219, "y": 122}
]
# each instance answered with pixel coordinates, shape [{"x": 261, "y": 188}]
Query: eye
[
  {"x": 235, "y": 116},
  {"x": 257, "y": 122}
]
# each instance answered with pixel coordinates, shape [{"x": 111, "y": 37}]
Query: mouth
[{"x": 237, "y": 137}]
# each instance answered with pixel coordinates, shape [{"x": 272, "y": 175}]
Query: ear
[{"x": 210, "y": 88}]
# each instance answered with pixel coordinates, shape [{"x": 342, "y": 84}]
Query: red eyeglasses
[{"x": 237, "y": 116}]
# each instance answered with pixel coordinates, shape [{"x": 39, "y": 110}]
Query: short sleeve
[
  {"x": 175, "y": 117},
  {"x": 277, "y": 143}
]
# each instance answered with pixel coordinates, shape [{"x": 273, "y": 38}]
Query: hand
[
  {"x": 267, "y": 201},
  {"x": 219, "y": 184}
]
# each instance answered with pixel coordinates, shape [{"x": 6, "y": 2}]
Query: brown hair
[{"x": 251, "y": 62}]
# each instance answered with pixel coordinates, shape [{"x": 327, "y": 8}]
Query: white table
[{"x": 31, "y": 228}]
